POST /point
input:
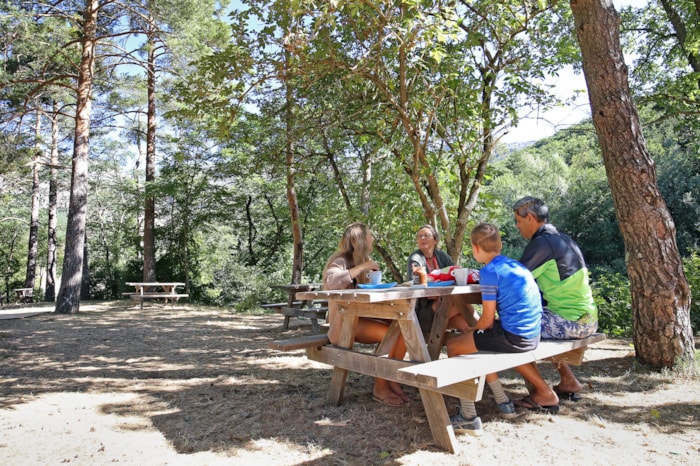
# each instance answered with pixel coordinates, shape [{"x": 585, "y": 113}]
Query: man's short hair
[{"x": 534, "y": 206}]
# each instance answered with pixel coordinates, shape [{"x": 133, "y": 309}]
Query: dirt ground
[{"x": 198, "y": 386}]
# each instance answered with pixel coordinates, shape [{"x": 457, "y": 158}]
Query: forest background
[{"x": 210, "y": 124}]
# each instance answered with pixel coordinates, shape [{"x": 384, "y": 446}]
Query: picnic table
[
  {"x": 312, "y": 309},
  {"x": 156, "y": 290},
  {"x": 460, "y": 377},
  {"x": 398, "y": 305},
  {"x": 24, "y": 295}
]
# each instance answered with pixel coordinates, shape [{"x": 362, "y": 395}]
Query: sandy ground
[{"x": 198, "y": 386}]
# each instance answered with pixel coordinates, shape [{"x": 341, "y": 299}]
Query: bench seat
[
  {"x": 307, "y": 341},
  {"x": 173, "y": 297},
  {"x": 157, "y": 295},
  {"x": 276, "y": 306},
  {"x": 448, "y": 371}
]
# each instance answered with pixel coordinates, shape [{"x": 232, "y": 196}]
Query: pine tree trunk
[
  {"x": 33, "y": 246},
  {"x": 149, "y": 241},
  {"x": 68, "y": 300},
  {"x": 85, "y": 281},
  {"x": 50, "y": 292},
  {"x": 660, "y": 292}
]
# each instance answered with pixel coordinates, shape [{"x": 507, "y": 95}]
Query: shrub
[
  {"x": 691, "y": 267},
  {"x": 611, "y": 292}
]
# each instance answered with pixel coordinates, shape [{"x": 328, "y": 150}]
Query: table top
[
  {"x": 388, "y": 294},
  {"x": 299, "y": 286},
  {"x": 155, "y": 283}
]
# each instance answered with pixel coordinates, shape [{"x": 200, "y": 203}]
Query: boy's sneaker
[
  {"x": 462, "y": 425},
  {"x": 507, "y": 410}
]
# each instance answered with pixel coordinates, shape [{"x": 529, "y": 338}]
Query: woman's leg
[{"x": 372, "y": 331}]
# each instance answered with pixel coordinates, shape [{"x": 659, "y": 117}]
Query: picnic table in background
[
  {"x": 312, "y": 309},
  {"x": 156, "y": 290},
  {"x": 24, "y": 295}
]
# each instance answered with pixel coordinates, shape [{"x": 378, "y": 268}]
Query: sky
[{"x": 535, "y": 125}]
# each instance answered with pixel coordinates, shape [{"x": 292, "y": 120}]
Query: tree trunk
[
  {"x": 33, "y": 247},
  {"x": 69, "y": 294},
  {"x": 149, "y": 240},
  {"x": 85, "y": 281},
  {"x": 50, "y": 292},
  {"x": 660, "y": 293},
  {"x": 292, "y": 201}
]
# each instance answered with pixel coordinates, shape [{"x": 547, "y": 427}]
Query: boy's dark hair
[{"x": 487, "y": 237}]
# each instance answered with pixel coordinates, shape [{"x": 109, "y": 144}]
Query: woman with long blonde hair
[{"x": 347, "y": 267}]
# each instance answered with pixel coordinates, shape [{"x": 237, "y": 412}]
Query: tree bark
[
  {"x": 659, "y": 289},
  {"x": 85, "y": 281},
  {"x": 149, "y": 242},
  {"x": 68, "y": 300},
  {"x": 50, "y": 292},
  {"x": 33, "y": 246},
  {"x": 292, "y": 201}
]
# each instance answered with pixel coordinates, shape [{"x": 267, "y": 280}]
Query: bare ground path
[{"x": 198, "y": 386}]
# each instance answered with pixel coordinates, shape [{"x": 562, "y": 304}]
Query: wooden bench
[
  {"x": 313, "y": 310},
  {"x": 307, "y": 341},
  {"x": 448, "y": 371},
  {"x": 24, "y": 295},
  {"x": 318, "y": 348},
  {"x": 277, "y": 307},
  {"x": 459, "y": 376},
  {"x": 173, "y": 297}
]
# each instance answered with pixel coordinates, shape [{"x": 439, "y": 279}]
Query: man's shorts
[
  {"x": 555, "y": 327},
  {"x": 502, "y": 341}
]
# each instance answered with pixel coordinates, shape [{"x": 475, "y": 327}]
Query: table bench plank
[
  {"x": 307, "y": 341},
  {"x": 367, "y": 364},
  {"x": 448, "y": 371}
]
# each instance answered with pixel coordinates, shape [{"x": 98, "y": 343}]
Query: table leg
[
  {"x": 339, "y": 376},
  {"x": 290, "y": 304},
  {"x": 437, "y": 331},
  {"x": 439, "y": 420},
  {"x": 168, "y": 289}
]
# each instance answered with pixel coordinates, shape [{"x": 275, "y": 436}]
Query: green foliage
[
  {"x": 611, "y": 292},
  {"x": 691, "y": 267}
]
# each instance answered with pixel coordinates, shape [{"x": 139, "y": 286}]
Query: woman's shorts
[
  {"x": 555, "y": 327},
  {"x": 502, "y": 341}
]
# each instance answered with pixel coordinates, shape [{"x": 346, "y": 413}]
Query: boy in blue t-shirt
[{"x": 509, "y": 289}]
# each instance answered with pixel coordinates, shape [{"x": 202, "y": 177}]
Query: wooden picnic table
[
  {"x": 398, "y": 305},
  {"x": 24, "y": 295},
  {"x": 156, "y": 290},
  {"x": 305, "y": 308}
]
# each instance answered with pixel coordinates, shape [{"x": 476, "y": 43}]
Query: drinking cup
[
  {"x": 461, "y": 276},
  {"x": 375, "y": 277}
]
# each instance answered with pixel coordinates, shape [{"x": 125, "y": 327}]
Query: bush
[
  {"x": 691, "y": 267},
  {"x": 611, "y": 292}
]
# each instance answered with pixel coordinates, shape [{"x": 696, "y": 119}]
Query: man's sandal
[
  {"x": 530, "y": 405},
  {"x": 568, "y": 396}
]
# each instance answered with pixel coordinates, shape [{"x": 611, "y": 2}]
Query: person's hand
[{"x": 370, "y": 265}]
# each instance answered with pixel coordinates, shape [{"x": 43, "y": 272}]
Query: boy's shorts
[{"x": 502, "y": 341}]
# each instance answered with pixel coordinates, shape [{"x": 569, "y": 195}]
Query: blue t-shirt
[{"x": 517, "y": 296}]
